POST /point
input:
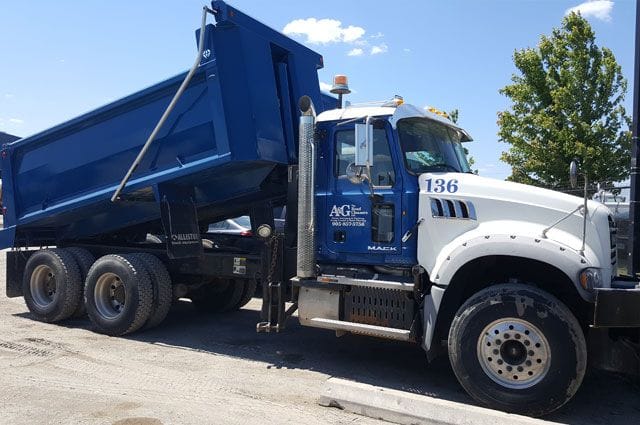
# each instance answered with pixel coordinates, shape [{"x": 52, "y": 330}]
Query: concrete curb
[{"x": 407, "y": 408}]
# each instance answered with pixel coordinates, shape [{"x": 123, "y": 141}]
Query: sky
[{"x": 61, "y": 59}]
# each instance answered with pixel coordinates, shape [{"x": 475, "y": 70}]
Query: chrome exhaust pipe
[{"x": 306, "y": 259}]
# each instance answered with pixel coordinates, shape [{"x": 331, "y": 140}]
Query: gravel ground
[{"x": 200, "y": 369}]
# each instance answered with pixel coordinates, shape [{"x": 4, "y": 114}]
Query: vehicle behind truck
[{"x": 387, "y": 231}]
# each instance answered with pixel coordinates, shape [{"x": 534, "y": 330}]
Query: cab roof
[{"x": 395, "y": 114}]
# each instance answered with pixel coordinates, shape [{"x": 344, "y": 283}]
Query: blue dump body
[{"x": 233, "y": 128}]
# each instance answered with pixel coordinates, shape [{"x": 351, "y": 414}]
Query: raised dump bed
[{"x": 228, "y": 139}]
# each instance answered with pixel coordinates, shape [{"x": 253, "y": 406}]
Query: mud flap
[
  {"x": 615, "y": 350},
  {"x": 180, "y": 222},
  {"x": 617, "y": 308},
  {"x": 16, "y": 262}
]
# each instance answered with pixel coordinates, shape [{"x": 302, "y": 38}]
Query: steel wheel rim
[
  {"x": 514, "y": 353},
  {"x": 109, "y": 296},
  {"x": 43, "y": 285}
]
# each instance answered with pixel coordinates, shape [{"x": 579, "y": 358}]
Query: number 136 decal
[{"x": 442, "y": 185}]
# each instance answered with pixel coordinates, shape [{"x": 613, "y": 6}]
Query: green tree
[{"x": 566, "y": 103}]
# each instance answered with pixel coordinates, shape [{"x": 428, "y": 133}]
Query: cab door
[{"x": 362, "y": 228}]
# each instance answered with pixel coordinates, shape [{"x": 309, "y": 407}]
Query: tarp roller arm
[{"x": 116, "y": 195}]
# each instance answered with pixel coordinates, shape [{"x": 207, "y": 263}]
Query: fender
[
  {"x": 525, "y": 241},
  {"x": 464, "y": 250},
  {"x": 543, "y": 250}
]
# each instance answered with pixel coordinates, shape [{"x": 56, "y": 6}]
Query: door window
[
  {"x": 382, "y": 223},
  {"x": 382, "y": 171}
]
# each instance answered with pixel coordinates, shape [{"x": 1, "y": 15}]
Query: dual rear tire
[
  {"x": 120, "y": 293},
  {"x": 52, "y": 285},
  {"x": 224, "y": 295}
]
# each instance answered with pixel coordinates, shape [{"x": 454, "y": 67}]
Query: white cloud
[
  {"x": 16, "y": 121},
  {"x": 9, "y": 96},
  {"x": 323, "y": 31},
  {"x": 325, "y": 86},
  {"x": 377, "y": 35},
  {"x": 352, "y": 33},
  {"x": 406, "y": 50},
  {"x": 355, "y": 52},
  {"x": 599, "y": 9},
  {"x": 380, "y": 48}
]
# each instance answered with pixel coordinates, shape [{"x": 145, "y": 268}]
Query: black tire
[
  {"x": 525, "y": 376},
  {"x": 129, "y": 280},
  {"x": 216, "y": 298},
  {"x": 162, "y": 289},
  {"x": 51, "y": 285},
  {"x": 85, "y": 260},
  {"x": 247, "y": 293}
]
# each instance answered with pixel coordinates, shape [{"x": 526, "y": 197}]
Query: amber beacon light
[{"x": 340, "y": 87}]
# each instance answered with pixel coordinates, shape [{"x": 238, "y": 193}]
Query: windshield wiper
[{"x": 447, "y": 166}]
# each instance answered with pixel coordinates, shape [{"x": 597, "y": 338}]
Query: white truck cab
[{"x": 411, "y": 245}]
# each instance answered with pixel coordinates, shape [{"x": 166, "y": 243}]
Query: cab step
[{"x": 361, "y": 328}]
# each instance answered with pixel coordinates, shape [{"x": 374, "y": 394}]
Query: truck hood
[
  {"x": 458, "y": 207},
  {"x": 506, "y": 191}
]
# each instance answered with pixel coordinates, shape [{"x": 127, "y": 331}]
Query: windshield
[
  {"x": 243, "y": 221},
  {"x": 431, "y": 146}
]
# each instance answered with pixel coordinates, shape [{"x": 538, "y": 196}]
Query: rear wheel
[
  {"x": 162, "y": 289},
  {"x": 51, "y": 285},
  {"x": 119, "y": 294},
  {"x": 219, "y": 297},
  {"x": 517, "y": 348},
  {"x": 85, "y": 260},
  {"x": 247, "y": 293}
]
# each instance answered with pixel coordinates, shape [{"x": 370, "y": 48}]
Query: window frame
[
  {"x": 403, "y": 156},
  {"x": 336, "y": 160}
]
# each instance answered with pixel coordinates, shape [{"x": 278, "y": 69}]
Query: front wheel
[{"x": 517, "y": 348}]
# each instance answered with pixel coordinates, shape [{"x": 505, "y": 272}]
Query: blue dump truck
[{"x": 387, "y": 233}]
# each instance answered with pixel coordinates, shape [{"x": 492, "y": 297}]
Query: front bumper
[{"x": 617, "y": 307}]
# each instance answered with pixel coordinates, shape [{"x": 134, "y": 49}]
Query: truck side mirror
[
  {"x": 573, "y": 173},
  {"x": 364, "y": 141}
]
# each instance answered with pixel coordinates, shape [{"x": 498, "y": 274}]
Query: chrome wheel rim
[
  {"x": 514, "y": 353},
  {"x": 43, "y": 285},
  {"x": 109, "y": 296}
]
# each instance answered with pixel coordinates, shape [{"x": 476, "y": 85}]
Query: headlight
[{"x": 590, "y": 278}]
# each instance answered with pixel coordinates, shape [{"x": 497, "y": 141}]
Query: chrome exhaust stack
[{"x": 306, "y": 259}]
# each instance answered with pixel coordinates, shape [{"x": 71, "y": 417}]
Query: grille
[
  {"x": 613, "y": 237},
  {"x": 379, "y": 307}
]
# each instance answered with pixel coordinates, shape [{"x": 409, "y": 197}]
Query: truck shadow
[{"x": 603, "y": 398}]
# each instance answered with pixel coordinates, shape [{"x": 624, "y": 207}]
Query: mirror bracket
[{"x": 363, "y": 143}]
